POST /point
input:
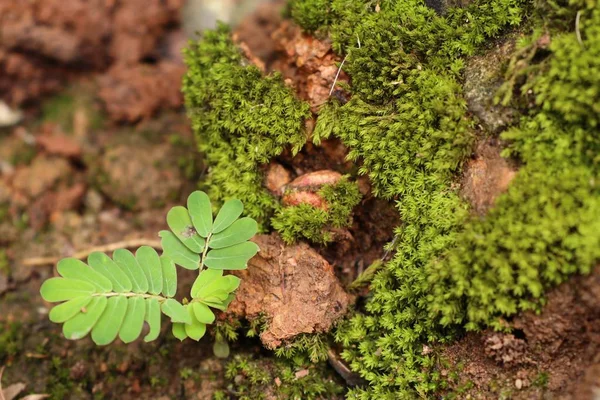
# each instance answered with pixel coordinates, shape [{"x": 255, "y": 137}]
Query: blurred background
[{"x": 95, "y": 147}]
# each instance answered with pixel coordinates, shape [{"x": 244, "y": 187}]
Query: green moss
[
  {"x": 241, "y": 119},
  {"x": 542, "y": 230},
  {"x": 406, "y": 123},
  {"x": 407, "y": 126},
  {"x": 4, "y": 264},
  {"x": 263, "y": 378},
  {"x": 61, "y": 109},
  {"x": 311, "y": 346},
  {"x": 11, "y": 341},
  {"x": 314, "y": 224},
  {"x": 569, "y": 82},
  {"x": 310, "y": 14}
]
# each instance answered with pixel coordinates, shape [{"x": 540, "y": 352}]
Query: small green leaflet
[
  {"x": 67, "y": 310},
  {"x": 77, "y": 269},
  {"x": 134, "y": 319},
  {"x": 126, "y": 260},
  {"x": 102, "y": 263},
  {"x": 234, "y": 257},
  {"x": 108, "y": 325},
  {"x": 180, "y": 223},
  {"x": 200, "y": 212},
  {"x": 61, "y": 289},
  {"x": 82, "y": 323},
  {"x": 153, "y": 319},
  {"x": 169, "y": 274},
  {"x": 221, "y": 349},
  {"x": 231, "y": 210},
  {"x": 240, "y": 231},
  {"x": 204, "y": 278},
  {"x": 177, "y": 252},
  {"x": 149, "y": 260},
  {"x": 176, "y": 311}
]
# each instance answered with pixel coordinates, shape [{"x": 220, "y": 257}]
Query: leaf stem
[
  {"x": 204, "y": 252},
  {"x": 131, "y": 294}
]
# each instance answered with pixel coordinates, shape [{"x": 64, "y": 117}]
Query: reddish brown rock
[
  {"x": 276, "y": 178},
  {"x": 137, "y": 92},
  {"x": 293, "y": 287},
  {"x": 486, "y": 176},
  {"x": 304, "y": 189}
]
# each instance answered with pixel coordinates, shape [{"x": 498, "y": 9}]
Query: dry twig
[{"x": 39, "y": 261}]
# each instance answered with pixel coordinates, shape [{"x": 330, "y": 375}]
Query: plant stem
[
  {"x": 131, "y": 294},
  {"x": 204, "y": 253}
]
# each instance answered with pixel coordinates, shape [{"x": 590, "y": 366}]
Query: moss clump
[
  {"x": 542, "y": 230},
  {"x": 569, "y": 82},
  {"x": 406, "y": 122},
  {"x": 315, "y": 224},
  {"x": 263, "y": 378},
  {"x": 310, "y": 14},
  {"x": 241, "y": 119},
  {"x": 11, "y": 341}
]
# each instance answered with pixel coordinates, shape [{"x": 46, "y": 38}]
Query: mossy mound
[
  {"x": 408, "y": 125},
  {"x": 241, "y": 120}
]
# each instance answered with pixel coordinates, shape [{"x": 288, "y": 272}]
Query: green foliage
[
  {"x": 313, "y": 347},
  {"x": 310, "y": 14},
  {"x": 314, "y": 224},
  {"x": 264, "y": 378},
  {"x": 406, "y": 123},
  {"x": 114, "y": 297},
  {"x": 542, "y": 230},
  {"x": 11, "y": 340},
  {"x": 241, "y": 119},
  {"x": 302, "y": 221},
  {"x": 569, "y": 83}
]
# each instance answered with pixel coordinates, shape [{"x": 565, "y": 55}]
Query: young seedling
[{"x": 114, "y": 297}]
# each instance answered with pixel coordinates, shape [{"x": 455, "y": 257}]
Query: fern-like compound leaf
[
  {"x": 107, "y": 298},
  {"x": 115, "y": 297}
]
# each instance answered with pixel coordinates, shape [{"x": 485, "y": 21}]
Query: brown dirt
[
  {"x": 306, "y": 63},
  {"x": 553, "y": 355},
  {"x": 293, "y": 287}
]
